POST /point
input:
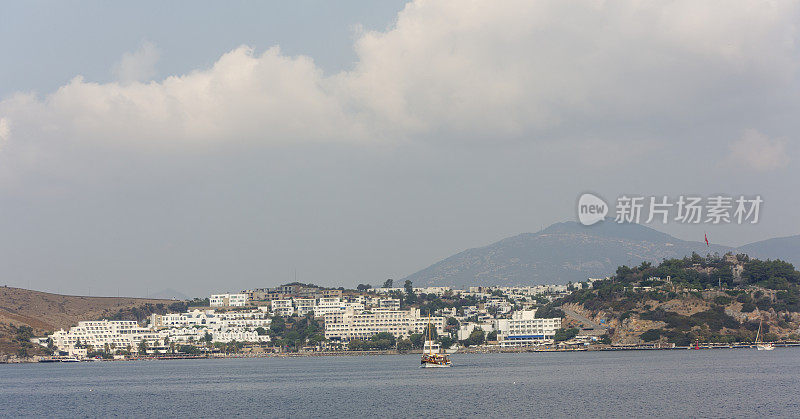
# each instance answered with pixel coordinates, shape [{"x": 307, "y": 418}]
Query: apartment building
[
  {"x": 228, "y": 300},
  {"x": 350, "y": 324},
  {"x": 119, "y": 334},
  {"x": 282, "y": 307},
  {"x": 328, "y": 305},
  {"x": 524, "y": 329},
  {"x": 304, "y": 306},
  {"x": 389, "y": 304}
]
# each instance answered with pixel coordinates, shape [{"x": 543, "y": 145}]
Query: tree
[
  {"x": 651, "y": 335},
  {"x": 446, "y": 341},
  {"x": 492, "y": 335},
  {"x": 409, "y": 286},
  {"x": 417, "y": 340},
  {"x": 363, "y": 287},
  {"x": 411, "y": 298},
  {"x": 388, "y": 283},
  {"x": 404, "y": 345},
  {"x": 277, "y": 326},
  {"x": 261, "y": 331},
  {"x": 207, "y": 337},
  {"x": 189, "y": 349},
  {"x": 143, "y": 347},
  {"x": 382, "y": 341},
  {"x": 356, "y": 345},
  {"x": 565, "y": 334},
  {"x": 476, "y": 337}
]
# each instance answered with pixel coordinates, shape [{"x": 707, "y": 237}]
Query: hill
[
  {"x": 560, "y": 253},
  {"x": 569, "y": 251},
  {"x": 784, "y": 248},
  {"x": 638, "y": 304},
  {"x": 44, "y": 312}
]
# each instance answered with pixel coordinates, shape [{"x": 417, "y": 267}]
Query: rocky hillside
[
  {"x": 25, "y": 312},
  {"x": 639, "y": 305}
]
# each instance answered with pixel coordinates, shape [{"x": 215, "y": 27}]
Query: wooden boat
[{"x": 432, "y": 354}]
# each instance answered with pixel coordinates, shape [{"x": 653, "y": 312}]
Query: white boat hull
[
  {"x": 435, "y": 366},
  {"x": 765, "y": 347}
]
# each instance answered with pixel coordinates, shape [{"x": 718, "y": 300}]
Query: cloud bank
[
  {"x": 454, "y": 71},
  {"x": 758, "y": 152}
]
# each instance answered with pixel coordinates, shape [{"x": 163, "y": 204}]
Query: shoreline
[{"x": 493, "y": 350}]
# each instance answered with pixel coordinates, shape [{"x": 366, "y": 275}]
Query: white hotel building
[
  {"x": 118, "y": 334},
  {"x": 350, "y": 324},
  {"x": 523, "y": 329},
  {"x": 228, "y": 300}
]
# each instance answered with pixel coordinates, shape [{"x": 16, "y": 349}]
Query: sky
[{"x": 211, "y": 147}]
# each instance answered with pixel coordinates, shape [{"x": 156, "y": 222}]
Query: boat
[
  {"x": 762, "y": 346},
  {"x": 432, "y": 354}
]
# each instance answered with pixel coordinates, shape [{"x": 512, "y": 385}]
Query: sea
[{"x": 665, "y": 383}]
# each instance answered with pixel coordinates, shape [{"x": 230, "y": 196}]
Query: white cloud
[
  {"x": 758, "y": 152},
  {"x": 139, "y": 65},
  {"x": 5, "y": 131},
  {"x": 456, "y": 70}
]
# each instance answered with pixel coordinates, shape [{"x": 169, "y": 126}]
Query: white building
[
  {"x": 467, "y": 328},
  {"x": 328, "y": 305},
  {"x": 438, "y": 291},
  {"x": 304, "y": 305},
  {"x": 524, "y": 329},
  {"x": 389, "y": 303},
  {"x": 282, "y": 308},
  {"x": 228, "y": 300},
  {"x": 350, "y": 324},
  {"x": 117, "y": 334}
]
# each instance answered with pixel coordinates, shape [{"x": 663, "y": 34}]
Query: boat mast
[{"x": 759, "y": 330}]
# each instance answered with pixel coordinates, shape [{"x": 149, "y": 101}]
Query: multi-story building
[
  {"x": 438, "y": 291},
  {"x": 228, "y": 300},
  {"x": 350, "y": 324},
  {"x": 304, "y": 306},
  {"x": 282, "y": 307},
  {"x": 102, "y": 334},
  {"x": 467, "y": 328},
  {"x": 328, "y": 305},
  {"x": 389, "y": 304},
  {"x": 524, "y": 329},
  {"x": 332, "y": 293}
]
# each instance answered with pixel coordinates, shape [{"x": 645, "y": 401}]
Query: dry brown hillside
[{"x": 45, "y": 312}]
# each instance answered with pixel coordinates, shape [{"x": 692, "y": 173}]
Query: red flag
[{"x": 706, "y": 236}]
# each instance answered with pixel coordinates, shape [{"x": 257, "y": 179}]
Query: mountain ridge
[{"x": 568, "y": 251}]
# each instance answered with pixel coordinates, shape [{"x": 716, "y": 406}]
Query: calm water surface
[{"x": 706, "y": 383}]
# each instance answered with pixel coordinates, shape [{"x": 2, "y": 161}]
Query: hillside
[
  {"x": 569, "y": 251},
  {"x": 44, "y": 312},
  {"x": 784, "y": 248},
  {"x": 560, "y": 253},
  {"x": 639, "y": 305}
]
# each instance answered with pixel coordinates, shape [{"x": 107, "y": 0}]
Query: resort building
[
  {"x": 282, "y": 308},
  {"x": 524, "y": 329},
  {"x": 349, "y": 324},
  {"x": 328, "y": 305},
  {"x": 228, "y": 300},
  {"x": 304, "y": 306},
  {"x": 101, "y": 334}
]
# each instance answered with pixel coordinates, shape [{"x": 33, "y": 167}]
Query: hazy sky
[{"x": 210, "y": 147}]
